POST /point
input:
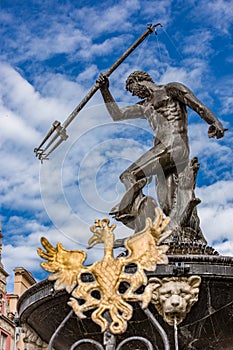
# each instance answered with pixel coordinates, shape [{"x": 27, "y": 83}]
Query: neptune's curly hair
[{"x": 138, "y": 75}]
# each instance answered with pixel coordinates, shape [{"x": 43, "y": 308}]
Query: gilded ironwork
[
  {"x": 173, "y": 297},
  {"x": 102, "y": 289}
]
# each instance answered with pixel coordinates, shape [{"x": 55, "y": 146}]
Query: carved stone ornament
[
  {"x": 106, "y": 286},
  {"x": 173, "y": 297},
  {"x": 32, "y": 339}
]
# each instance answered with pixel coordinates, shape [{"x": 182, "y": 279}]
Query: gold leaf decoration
[{"x": 101, "y": 289}]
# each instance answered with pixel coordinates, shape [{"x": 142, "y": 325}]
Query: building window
[{"x": 3, "y": 341}]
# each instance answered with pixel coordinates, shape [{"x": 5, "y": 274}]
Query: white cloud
[
  {"x": 218, "y": 13},
  {"x": 103, "y": 49},
  {"x": 225, "y": 248},
  {"x": 199, "y": 43},
  {"x": 23, "y": 102},
  {"x": 216, "y": 213},
  {"x": 161, "y": 11},
  {"x": 58, "y": 39},
  {"x": 12, "y": 127},
  {"x": 89, "y": 74},
  {"x": 113, "y": 18},
  {"x": 218, "y": 194},
  {"x": 224, "y": 90}
]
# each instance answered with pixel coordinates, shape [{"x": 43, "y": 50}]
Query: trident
[{"x": 61, "y": 129}]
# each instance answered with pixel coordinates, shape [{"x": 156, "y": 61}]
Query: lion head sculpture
[{"x": 173, "y": 297}]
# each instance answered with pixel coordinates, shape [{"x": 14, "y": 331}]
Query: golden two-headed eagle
[{"x": 109, "y": 285}]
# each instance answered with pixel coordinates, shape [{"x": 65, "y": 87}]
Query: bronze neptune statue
[{"x": 165, "y": 108}]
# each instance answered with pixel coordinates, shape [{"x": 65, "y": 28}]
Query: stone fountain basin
[{"x": 209, "y": 325}]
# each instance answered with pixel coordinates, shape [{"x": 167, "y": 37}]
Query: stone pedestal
[{"x": 208, "y": 326}]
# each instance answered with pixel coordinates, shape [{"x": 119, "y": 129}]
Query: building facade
[{"x": 11, "y": 335}]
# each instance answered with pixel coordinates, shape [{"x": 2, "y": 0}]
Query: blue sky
[{"x": 51, "y": 54}]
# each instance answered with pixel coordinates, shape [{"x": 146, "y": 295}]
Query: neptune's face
[{"x": 137, "y": 88}]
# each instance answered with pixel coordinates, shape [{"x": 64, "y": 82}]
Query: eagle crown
[{"x": 103, "y": 233}]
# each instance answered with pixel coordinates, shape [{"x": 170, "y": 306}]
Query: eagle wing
[{"x": 64, "y": 264}]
